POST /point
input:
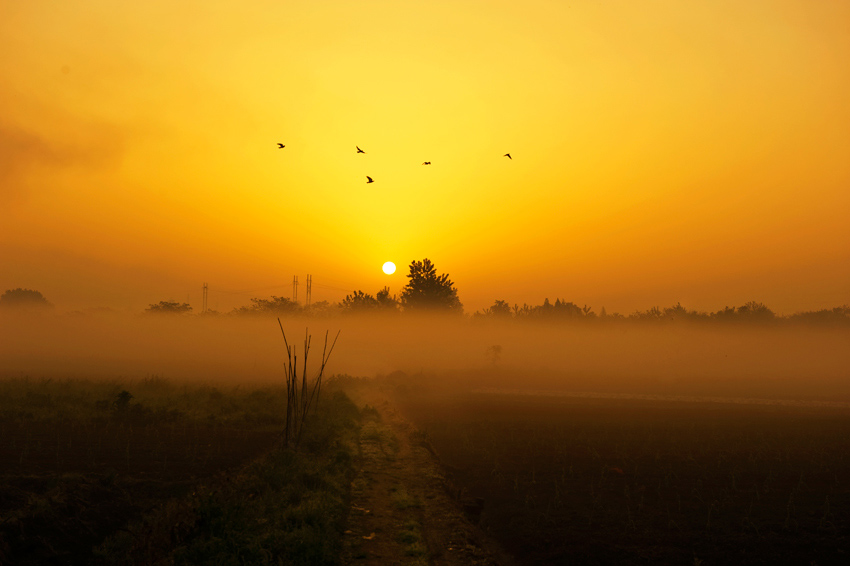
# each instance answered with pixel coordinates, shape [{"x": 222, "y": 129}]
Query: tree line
[
  {"x": 429, "y": 291},
  {"x": 748, "y": 312},
  {"x": 426, "y": 290}
]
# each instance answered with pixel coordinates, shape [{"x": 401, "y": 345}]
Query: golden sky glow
[{"x": 662, "y": 151}]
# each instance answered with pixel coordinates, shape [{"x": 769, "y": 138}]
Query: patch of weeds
[
  {"x": 370, "y": 413},
  {"x": 286, "y": 508},
  {"x": 407, "y": 537},
  {"x": 417, "y": 549},
  {"x": 372, "y": 432},
  {"x": 420, "y": 438},
  {"x": 410, "y": 533},
  {"x": 391, "y": 446},
  {"x": 403, "y": 500},
  {"x": 411, "y": 536}
]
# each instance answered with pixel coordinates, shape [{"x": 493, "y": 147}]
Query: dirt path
[{"x": 401, "y": 511}]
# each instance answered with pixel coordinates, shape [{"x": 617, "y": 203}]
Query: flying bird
[
  {"x": 369, "y": 179},
  {"x": 508, "y": 155},
  {"x": 426, "y": 163},
  {"x": 280, "y": 146},
  {"x": 359, "y": 150}
]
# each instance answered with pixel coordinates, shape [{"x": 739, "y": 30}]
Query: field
[
  {"x": 119, "y": 472},
  {"x": 123, "y": 472},
  {"x": 607, "y": 481}
]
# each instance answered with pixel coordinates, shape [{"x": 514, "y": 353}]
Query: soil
[
  {"x": 169, "y": 451},
  {"x": 643, "y": 482}
]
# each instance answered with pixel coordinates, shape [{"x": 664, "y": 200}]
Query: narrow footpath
[{"x": 401, "y": 509}]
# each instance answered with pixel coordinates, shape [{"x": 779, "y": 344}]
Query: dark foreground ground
[
  {"x": 155, "y": 472},
  {"x": 601, "y": 481}
]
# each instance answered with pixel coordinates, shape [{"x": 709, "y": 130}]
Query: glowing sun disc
[{"x": 389, "y": 268}]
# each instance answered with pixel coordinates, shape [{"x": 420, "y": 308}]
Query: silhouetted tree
[
  {"x": 428, "y": 290},
  {"x": 752, "y": 312},
  {"x": 568, "y": 309},
  {"x": 319, "y": 309},
  {"x": 386, "y": 302},
  {"x": 728, "y": 313},
  {"x": 24, "y": 299},
  {"x": 755, "y": 311},
  {"x": 167, "y": 307},
  {"x": 654, "y": 313},
  {"x": 122, "y": 400},
  {"x": 679, "y": 312},
  {"x": 275, "y": 306},
  {"x": 837, "y": 315},
  {"x": 500, "y": 310},
  {"x": 521, "y": 311},
  {"x": 359, "y": 301},
  {"x": 544, "y": 310},
  {"x": 559, "y": 310}
]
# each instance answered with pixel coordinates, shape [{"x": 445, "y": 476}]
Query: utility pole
[
  {"x": 204, "y": 301},
  {"x": 309, "y": 289},
  {"x": 295, "y": 288}
]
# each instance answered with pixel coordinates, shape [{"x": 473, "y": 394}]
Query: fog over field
[{"x": 780, "y": 360}]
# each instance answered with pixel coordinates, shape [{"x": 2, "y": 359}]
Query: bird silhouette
[
  {"x": 359, "y": 150},
  {"x": 508, "y": 155},
  {"x": 426, "y": 163},
  {"x": 368, "y": 177},
  {"x": 280, "y": 146}
]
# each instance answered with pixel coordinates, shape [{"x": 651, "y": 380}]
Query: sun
[{"x": 389, "y": 268}]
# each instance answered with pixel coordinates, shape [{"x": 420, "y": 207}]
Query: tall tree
[
  {"x": 275, "y": 306},
  {"x": 428, "y": 290},
  {"x": 386, "y": 302},
  {"x": 24, "y": 299},
  {"x": 358, "y": 301},
  {"x": 169, "y": 307}
]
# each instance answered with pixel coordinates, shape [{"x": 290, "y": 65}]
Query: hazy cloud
[
  {"x": 27, "y": 155},
  {"x": 21, "y": 151}
]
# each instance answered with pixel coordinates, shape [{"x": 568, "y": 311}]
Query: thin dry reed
[{"x": 304, "y": 397}]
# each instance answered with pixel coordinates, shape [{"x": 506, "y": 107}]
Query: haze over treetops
[{"x": 662, "y": 152}]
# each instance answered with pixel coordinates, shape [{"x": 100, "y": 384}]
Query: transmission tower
[
  {"x": 204, "y": 301},
  {"x": 309, "y": 289},
  {"x": 295, "y": 288}
]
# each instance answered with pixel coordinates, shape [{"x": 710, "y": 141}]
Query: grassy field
[
  {"x": 601, "y": 481},
  {"x": 151, "y": 471}
]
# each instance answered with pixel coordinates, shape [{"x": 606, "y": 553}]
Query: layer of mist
[{"x": 776, "y": 361}]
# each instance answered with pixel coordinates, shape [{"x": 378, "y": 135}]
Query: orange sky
[{"x": 663, "y": 151}]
